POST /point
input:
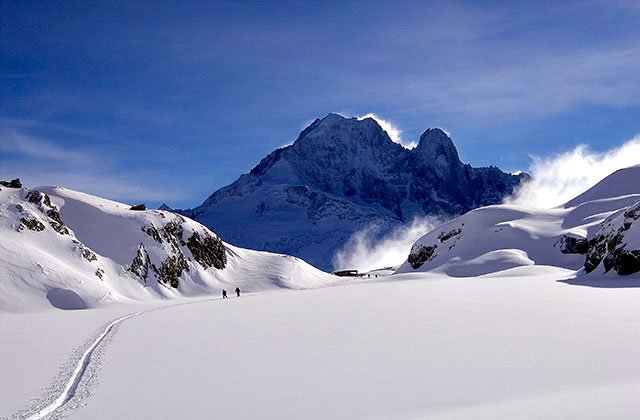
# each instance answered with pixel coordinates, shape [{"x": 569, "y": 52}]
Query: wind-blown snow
[
  {"x": 394, "y": 132},
  {"x": 558, "y": 178},
  {"x": 366, "y": 250}
]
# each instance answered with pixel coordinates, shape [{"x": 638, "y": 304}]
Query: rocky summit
[{"x": 340, "y": 176}]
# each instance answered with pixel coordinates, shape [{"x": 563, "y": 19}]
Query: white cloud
[
  {"x": 365, "y": 251},
  {"x": 559, "y": 178},
  {"x": 394, "y": 132}
]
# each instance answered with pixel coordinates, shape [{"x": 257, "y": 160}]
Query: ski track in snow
[
  {"x": 63, "y": 389},
  {"x": 66, "y": 390}
]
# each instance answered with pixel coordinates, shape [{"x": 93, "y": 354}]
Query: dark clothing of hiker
[
  {"x": 238, "y": 291},
  {"x": 224, "y": 294}
]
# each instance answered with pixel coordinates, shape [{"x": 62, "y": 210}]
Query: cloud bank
[
  {"x": 559, "y": 178},
  {"x": 365, "y": 251}
]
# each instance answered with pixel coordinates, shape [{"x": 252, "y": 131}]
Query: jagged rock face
[
  {"x": 141, "y": 264},
  {"x": 421, "y": 254},
  {"x": 340, "y": 176},
  {"x": 615, "y": 245},
  {"x": 207, "y": 250},
  {"x": 573, "y": 245},
  {"x": 48, "y": 212}
]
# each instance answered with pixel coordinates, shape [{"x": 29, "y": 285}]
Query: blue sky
[{"x": 168, "y": 101}]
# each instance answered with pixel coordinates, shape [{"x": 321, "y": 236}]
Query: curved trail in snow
[
  {"x": 81, "y": 367},
  {"x": 67, "y": 390}
]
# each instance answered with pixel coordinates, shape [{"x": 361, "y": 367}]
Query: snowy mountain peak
[
  {"x": 434, "y": 135},
  {"x": 334, "y": 131},
  {"x": 340, "y": 176},
  {"x": 434, "y": 143},
  {"x": 332, "y": 118}
]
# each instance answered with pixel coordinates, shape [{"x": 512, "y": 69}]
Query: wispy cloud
[
  {"x": 366, "y": 251},
  {"x": 392, "y": 130},
  {"x": 40, "y": 161},
  {"x": 33, "y": 147},
  {"x": 559, "y": 178}
]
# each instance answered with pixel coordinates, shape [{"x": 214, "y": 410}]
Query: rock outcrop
[{"x": 616, "y": 245}]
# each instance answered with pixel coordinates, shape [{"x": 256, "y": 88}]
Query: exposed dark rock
[
  {"x": 445, "y": 236},
  {"x": 140, "y": 264},
  {"x": 171, "y": 269},
  {"x": 100, "y": 273},
  {"x": 573, "y": 245},
  {"x": 14, "y": 183},
  {"x": 138, "y": 207},
  {"x": 153, "y": 232},
  {"x": 43, "y": 201},
  {"x": 596, "y": 253},
  {"x": 622, "y": 261},
  {"x": 633, "y": 213},
  {"x": 39, "y": 198},
  {"x": 172, "y": 232},
  {"x": 31, "y": 224},
  {"x": 89, "y": 255},
  {"x": 56, "y": 222},
  {"x": 207, "y": 251},
  {"x": 421, "y": 254},
  {"x": 609, "y": 247}
]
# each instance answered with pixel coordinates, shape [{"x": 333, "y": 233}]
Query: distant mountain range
[{"x": 340, "y": 176}]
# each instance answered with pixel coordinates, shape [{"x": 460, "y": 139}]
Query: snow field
[{"x": 420, "y": 346}]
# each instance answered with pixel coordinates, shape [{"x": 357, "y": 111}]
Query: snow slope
[
  {"x": 522, "y": 344},
  {"x": 491, "y": 327},
  {"x": 70, "y": 250},
  {"x": 495, "y": 238}
]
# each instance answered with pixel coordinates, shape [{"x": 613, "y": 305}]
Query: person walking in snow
[
  {"x": 224, "y": 294},
  {"x": 238, "y": 291}
]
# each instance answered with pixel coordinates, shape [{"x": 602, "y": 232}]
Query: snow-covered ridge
[
  {"x": 66, "y": 249},
  {"x": 598, "y": 231}
]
